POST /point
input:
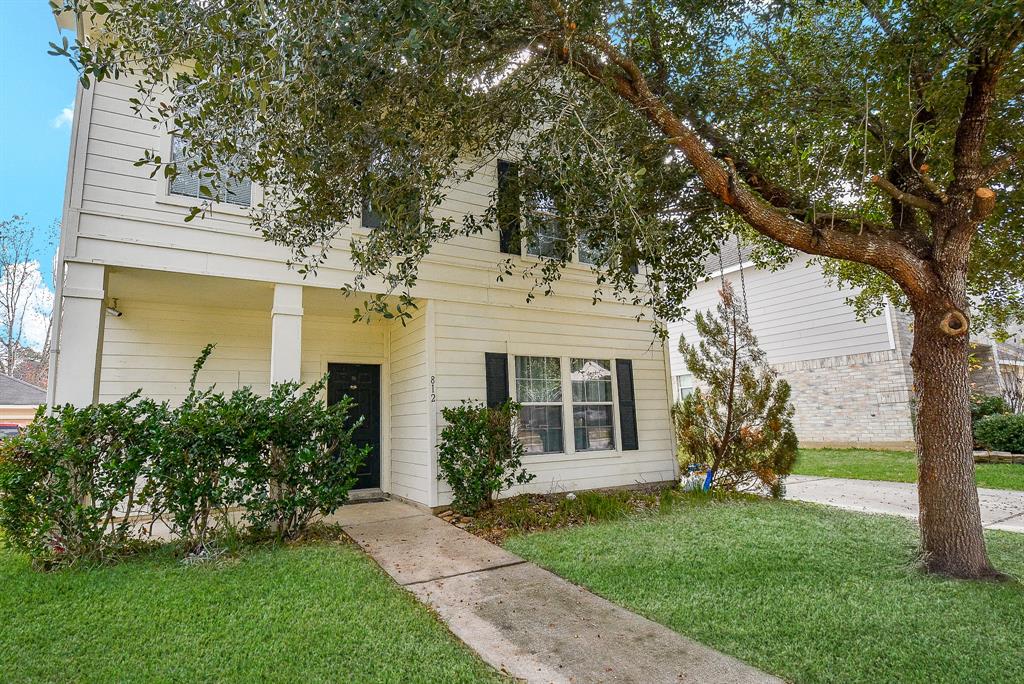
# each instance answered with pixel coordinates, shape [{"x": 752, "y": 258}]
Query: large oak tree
[{"x": 881, "y": 135}]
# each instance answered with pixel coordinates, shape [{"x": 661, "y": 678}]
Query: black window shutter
[
  {"x": 508, "y": 207},
  {"x": 627, "y": 404},
  {"x": 497, "y": 378}
]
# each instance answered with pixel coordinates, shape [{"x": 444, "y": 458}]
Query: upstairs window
[
  {"x": 592, "y": 412},
  {"x": 547, "y": 239},
  {"x": 190, "y": 182},
  {"x": 370, "y": 218},
  {"x": 539, "y": 391},
  {"x": 587, "y": 255}
]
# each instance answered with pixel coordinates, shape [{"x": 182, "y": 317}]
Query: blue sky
[{"x": 35, "y": 131}]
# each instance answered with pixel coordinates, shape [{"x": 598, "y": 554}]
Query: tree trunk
[{"x": 952, "y": 542}]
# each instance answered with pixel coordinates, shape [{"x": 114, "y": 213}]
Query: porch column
[
  {"x": 286, "y": 334},
  {"x": 80, "y": 347}
]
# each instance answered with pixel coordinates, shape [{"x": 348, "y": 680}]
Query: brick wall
[{"x": 858, "y": 400}]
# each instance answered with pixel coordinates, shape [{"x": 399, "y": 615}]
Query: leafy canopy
[{"x": 329, "y": 103}]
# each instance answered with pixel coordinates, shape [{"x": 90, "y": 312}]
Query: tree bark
[{"x": 952, "y": 541}]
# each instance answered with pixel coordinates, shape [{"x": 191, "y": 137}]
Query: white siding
[
  {"x": 153, "y": 345},
  {"x": 116, "y": 217},
  {"x": 464, "y": 332},
  {"x": 795, "y": 314},
  {"x": 410, "y": 444}
]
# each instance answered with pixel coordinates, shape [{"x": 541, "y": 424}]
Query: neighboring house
[
  {"x": 143, "y": 291},
  {"x": 852, "y": 381},
  {"x": 19, "y": 401}
]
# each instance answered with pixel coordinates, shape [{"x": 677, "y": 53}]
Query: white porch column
[
  {"x": 286, "y": 334},
  {"x": 80, "y": 347}
]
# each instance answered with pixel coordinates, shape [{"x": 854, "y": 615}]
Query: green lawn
[
  {"x": 322, "y": 612},
  {"x": 809, "y": 593},
  {"x": 895, "y": 466}
]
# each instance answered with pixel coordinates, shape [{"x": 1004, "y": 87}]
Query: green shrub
[
  {"x": 480, "y": 454},
  {"x": 199, "y": 477},
  {"x": 987, "y": 405},
  {"x": 1003, "y": 432},
  {"x": 307, "y": 457},
  {"x": 70, "y": 481}
]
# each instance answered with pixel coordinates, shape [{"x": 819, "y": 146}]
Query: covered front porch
[{"x": 126, "y": 329}]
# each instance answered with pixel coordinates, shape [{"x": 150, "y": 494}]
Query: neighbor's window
[
  {"x": 684, "y": 386},
  {"x": 592, "y": 414},
  {"x": 188, "y": 181},
  {"x": 547, "y": 237},
  {"x": 539, "y": 391}
]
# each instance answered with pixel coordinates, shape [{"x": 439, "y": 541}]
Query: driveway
[{"x": 1001, "y": 509}]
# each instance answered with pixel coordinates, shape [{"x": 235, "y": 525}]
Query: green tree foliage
[
  {"x": 306, "y": 455},
  {"x": 738, "y": 421},
  {"x": 479, "y": 454}
]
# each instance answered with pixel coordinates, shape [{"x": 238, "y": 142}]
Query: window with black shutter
[
  {"x": 508, "y": 207},
  {"x": 627, "y": 404},
  {"x": 496, "y": 369}
]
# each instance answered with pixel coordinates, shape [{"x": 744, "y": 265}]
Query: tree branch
[
  {"x": 890, "y": 256},
  {"x": 984, "y": 203},
  {"x": 1001, "y": 165},
  {"x": 904, "y": 197}
]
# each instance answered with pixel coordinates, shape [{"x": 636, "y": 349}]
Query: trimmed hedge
[
  {"x": 1001, "y": 433},
  {"x": 71, "y": 482}
]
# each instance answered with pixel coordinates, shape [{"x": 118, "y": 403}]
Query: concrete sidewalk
[
  {"x": 1001, "y": 509},
  {"x": 524, "y": 620}
]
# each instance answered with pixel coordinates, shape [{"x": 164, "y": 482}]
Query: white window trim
[
  {"x": 616, "y": 427},
  {"x": 163, "y": 196},
  {"x": 569, "y": 452},
  {"x": 514, "y": 390}
]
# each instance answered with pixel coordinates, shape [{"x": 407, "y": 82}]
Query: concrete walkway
[
  {"x": 524, "y": 620},
  {"x": 1001, "y": 509}
]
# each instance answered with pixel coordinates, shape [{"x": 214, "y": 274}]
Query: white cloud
[
  {"x": 36, "y": 299},
  {"x": 66, "y": 116}
]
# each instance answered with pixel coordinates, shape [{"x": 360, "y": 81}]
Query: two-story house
[{"x": 143, "y": 291}]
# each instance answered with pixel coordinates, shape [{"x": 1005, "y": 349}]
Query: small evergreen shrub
[
  {"x": 1003, "y": 432},
  {"x": 739, "y": 419},
  {"x": 480, "y": 455},
  {"x": 306, "y": 455},
  {"x": 70, "y": 481}
]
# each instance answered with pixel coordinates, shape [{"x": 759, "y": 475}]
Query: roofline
[{"x": 26, "y": 384}]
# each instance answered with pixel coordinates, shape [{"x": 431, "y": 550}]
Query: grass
[
  {"x": 318, "y": 612},
  {"x": 809, "y": 593},
  {"x": 895, "y": 466}
]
